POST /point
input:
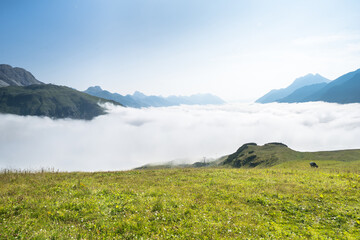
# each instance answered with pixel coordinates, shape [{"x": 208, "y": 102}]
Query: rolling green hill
[
  {"x": 277, "y": 154},
  {"x": 51, "y": 101}
]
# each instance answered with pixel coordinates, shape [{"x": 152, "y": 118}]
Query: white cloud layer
[{"x": 128, "y": 138}]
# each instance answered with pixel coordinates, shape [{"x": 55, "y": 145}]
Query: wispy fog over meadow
[{"x": 128, "y": 138}]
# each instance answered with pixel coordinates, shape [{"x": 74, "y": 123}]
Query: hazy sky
[
  {"x": 237, "y": 50},
  {"x": 128, "y": 137}
]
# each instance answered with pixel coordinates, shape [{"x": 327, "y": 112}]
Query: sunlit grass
[{"x": 209, "y": 203}]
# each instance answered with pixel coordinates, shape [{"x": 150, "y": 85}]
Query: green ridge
[
  {"x": 251, "y": 155},
  {"x": 274, "y": 154},
  {"x": 51, "y": 101}
]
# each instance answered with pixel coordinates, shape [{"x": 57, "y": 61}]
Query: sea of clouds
[{"x": 127, "y": 138}]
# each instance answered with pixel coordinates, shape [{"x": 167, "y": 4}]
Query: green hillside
[
  {"x": 278, "y": 154},
  {"x": 274, "y": 155},
  {"x": 50, "y": 100},
  {"x": 201, "y": 203}
]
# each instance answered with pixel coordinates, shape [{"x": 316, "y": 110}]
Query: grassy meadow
[{"x": 283, "y": 202}]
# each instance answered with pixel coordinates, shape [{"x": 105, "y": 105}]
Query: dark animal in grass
[{"x": 312, "y": 164}]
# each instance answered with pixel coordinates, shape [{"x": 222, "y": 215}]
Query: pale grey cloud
[{"x": 127, "y": 138}]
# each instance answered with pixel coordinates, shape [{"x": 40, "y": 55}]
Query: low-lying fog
[{"x": 128, "y": 138}]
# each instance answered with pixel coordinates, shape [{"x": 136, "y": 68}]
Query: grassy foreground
[{"x": 203, "y": 203}]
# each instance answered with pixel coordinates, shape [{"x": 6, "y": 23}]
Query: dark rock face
[{"x": 10, "y": 76}]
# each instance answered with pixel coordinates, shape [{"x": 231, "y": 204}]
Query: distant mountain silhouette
[
  {"x": 277, "y": 94},
  {"x": 301, "y": 94},
  {"x": 195, "y": 99},
  {"x": 127, "y": 100},
  {"x": 10, "y": 76},
  {"x": 139, "y": 99},
  {"x": 345, "y": 89},
  {"x": 150, "y": 101}
]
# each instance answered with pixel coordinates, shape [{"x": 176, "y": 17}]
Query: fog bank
[{"x": 127, "y": 138}]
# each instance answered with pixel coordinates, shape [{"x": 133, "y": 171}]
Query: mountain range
[
  {"x": 22, "y": 94},
  {"x": 310, "y": 88},
  {"x": 139, "y": 99},
  {"x": 276, "y": 94}
]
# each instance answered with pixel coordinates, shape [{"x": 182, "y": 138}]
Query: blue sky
[{"x": 237, "y": 50}]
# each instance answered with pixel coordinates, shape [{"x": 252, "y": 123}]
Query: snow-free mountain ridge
[
  {"x": 139, "y": 99},
  {"x": 14, "y": 76},
  {"x": 344, "y": 89},
  {"x": 277, "y": 94}
]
